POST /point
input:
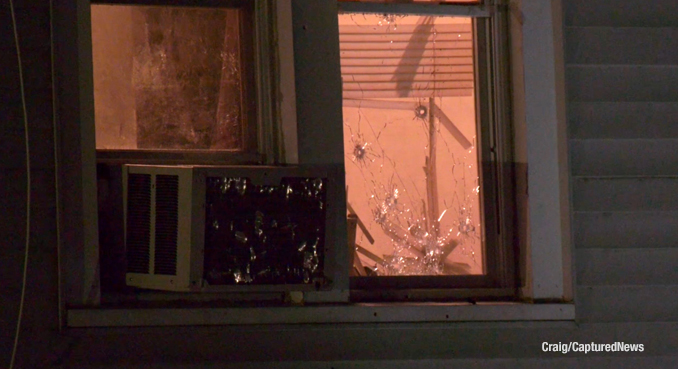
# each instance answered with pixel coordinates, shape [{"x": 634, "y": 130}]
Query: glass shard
[{"x": 258, "y": 234}]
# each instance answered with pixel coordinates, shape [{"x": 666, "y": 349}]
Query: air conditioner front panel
[{"x": 158, "y": 211}]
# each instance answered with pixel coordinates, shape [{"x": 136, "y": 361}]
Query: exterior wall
[
  {"x": 622, "y": 79},
  {"x": 622, "y": 84},
  {"x": 40, "y": 308}
]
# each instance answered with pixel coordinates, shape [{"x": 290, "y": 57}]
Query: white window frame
[
  {"x": 538, "y": 113},
  {"x": 540, "y": 107}
]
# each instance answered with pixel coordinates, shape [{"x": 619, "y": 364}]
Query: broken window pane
[
  {"x": 409, "y": 140},
  {"x": 167, "y": 77},
  {"x": 418, "y": 1}
]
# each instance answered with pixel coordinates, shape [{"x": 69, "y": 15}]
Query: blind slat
[
  {"x": 422, "y": 77},
  {"x": 405, "y": 37},
  {"x": 402, "y": 46},
  {"x": 362, "y": 54},
  {"x": 391, "y": 94},
  {"x": 405, "y": 40},
  {"x": 407, "y": 85},
  {"x": 347, "y": 70},
  {"x": 407, "y": 29},
  {"x": 405, "y": 62}
]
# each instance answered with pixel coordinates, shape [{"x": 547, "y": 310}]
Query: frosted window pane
[{"x": 167, "y": 77}]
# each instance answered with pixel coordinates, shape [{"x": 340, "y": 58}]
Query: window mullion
[{"x": 266, "y": 128}]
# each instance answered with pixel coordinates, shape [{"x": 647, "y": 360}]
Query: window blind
[{"x": 422, "y": 60}]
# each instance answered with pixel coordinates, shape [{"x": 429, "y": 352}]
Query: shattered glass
[
  {"x": 417, "y": 1},
  {"x": 257, "y": 234},
  {"x": 409, "y": 140},
  {"x": 167, "y": 77}
]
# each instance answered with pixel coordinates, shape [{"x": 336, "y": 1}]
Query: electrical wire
[
  {"x": 28, "y": 186},
  {"x": 55, "y": 134}
]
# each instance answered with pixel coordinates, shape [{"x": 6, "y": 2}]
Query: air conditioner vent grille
[
  {"x": 138, "y": 223},
  {"x": 166, "y": 223}
]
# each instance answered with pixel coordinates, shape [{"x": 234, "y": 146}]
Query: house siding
[{"x": 621, "y": 70}]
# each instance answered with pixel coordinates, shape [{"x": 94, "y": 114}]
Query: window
[
  {"x": 410, "y": 128},
  {"x": 419, "y": 163},
  {"x": 423, "y": 144},
  {"x": 173, "y": 83},
  {"x": 170, "y": 78},
  {"x": 178, "y": 83}
]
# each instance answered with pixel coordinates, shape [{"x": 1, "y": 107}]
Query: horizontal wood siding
[
  {"x": 627, "y": 267},
  {"x": 621, "y": 13},
  {"x": 556, "y": 363},
  {"x": 624, "y": 157},
  {"x": 625, "y": 194},
  {"x": 404, "y": 344},
  {"x": 621, "y": 45},
  {"x": 653, "y": 83},
  {"x": 625, "y": 230},
  {"x": 644, "y": 303},
  {"x": 629, "y": 120},
  {"x": 622, "y": 84}
]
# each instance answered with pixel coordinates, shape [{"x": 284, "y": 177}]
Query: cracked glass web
[{"x": 409, "y": 137}]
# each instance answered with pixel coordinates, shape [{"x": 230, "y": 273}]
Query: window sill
[
  {"x": 355, "y": 313},
  {"x": 178, "y": 157}
]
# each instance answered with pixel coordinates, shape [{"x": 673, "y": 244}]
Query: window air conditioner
[{"x": 237, "y": 229}]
